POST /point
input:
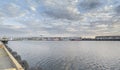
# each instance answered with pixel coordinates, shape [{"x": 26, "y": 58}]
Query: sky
[{"x": 86, "y": 18}]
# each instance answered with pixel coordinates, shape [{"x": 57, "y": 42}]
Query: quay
[{"x": 7, "y": 60}]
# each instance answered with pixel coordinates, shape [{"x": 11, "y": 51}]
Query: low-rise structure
[{"x": 107, "y": 37}]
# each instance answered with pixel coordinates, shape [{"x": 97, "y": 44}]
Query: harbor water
[{"x": 69, "y": 55}]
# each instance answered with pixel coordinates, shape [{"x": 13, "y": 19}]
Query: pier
[{"x": 7, "y": 61}]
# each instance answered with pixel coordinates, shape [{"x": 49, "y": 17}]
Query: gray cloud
[
  {"x": 8, "y": 31},
  {"x": 117, "y": 10},
  {"x": 13, "y": 9},
  {"x": 57, "y": 17},
  {"x": 58, "y": 9},
  {"x": 60, "y": 13},
  {"x": 88, "y": 5}
]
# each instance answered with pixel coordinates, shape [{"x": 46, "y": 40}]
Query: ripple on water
[{"x": 70, "y": 55}]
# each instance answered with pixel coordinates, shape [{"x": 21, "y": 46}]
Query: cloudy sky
[{"x": 59, "y": 17}]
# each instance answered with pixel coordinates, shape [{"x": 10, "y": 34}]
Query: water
[{"x": 69, "y": 55}]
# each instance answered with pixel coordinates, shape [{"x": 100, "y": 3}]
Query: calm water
[{"x": 68, "y": 55}]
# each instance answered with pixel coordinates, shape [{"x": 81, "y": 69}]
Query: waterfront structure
[
  {"x": 75, "y": 38},
  {"x": 107, "y": 37},
  {"x": 49, "y": 38}
]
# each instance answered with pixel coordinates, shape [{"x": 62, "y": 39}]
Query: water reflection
[{"x": 83, "y": 55}]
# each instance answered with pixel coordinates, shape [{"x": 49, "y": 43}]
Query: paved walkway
[{"x": 5, "y": 62}]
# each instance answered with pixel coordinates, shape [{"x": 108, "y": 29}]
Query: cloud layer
[{"x": 59, "y": 17}]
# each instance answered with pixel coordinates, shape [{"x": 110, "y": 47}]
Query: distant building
[
  {"x": 75, "y": 38},
  {"x": 107, "y": 37},
  {"x": 65, "y": 38}
]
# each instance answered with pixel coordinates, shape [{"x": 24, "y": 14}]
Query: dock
[{"x": 7, "y": 61}]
